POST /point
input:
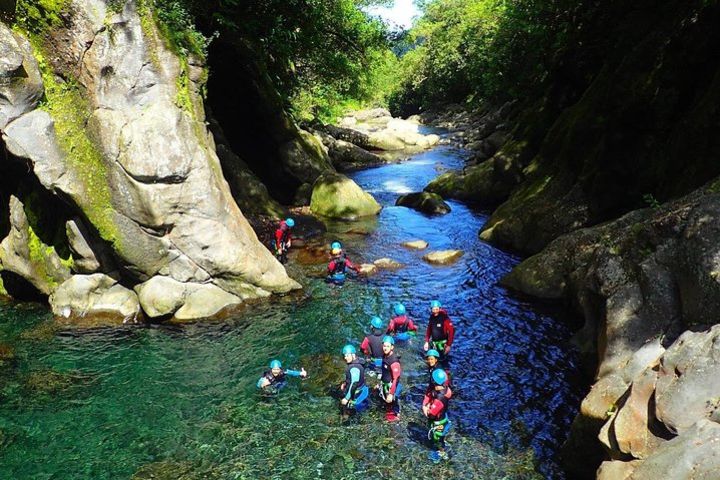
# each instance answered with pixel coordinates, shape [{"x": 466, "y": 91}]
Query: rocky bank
[{"x": 610, "y": 180}]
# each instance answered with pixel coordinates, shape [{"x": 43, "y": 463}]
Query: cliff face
[
  {"x": 120, "y": 137},
  {"x": 637, "y": 131},
  {"x": 642, "y": 128}
]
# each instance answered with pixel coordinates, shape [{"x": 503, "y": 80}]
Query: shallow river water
[{"x": 179, "y": 402}]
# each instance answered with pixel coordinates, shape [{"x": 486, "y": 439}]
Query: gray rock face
[
  {"x": 162, "y": 296},
  {"x": 425, "y": 202},
  {"x": 155, "y": 192},
  {"x": 89, "y": 254},
  {"x": 83, "y": 295},
  {"x": 640, "y": 281},
  {"x": 347, "y": 156},
  {"x": 21, "y": 86},
  {"x": 24, "y": 254},
  {"x": 692, "y": 455}
]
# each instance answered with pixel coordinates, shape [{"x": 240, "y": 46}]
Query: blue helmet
[
  {"x": 432, "y": 353},
  {"x": 290, "y": 222},
  {"x": 348, "y": 349},
  {"x": 399, "y": 309},
  {"x": 376, "y": 322},
  {"x": 388, "y": 339},
  {"x": 439, "y": 376},
  {"x": 435, "y": 304},
  {"x": 275, "y": 364},
  {"x": 335, "y": 245}
]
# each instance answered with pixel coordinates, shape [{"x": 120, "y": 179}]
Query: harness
[{"x": 339, "y": 265}]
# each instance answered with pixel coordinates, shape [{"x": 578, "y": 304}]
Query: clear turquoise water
[{"x": 180, "y": 402}]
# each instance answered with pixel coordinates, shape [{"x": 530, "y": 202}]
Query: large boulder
[
  {"x": 24, "y": 253},
  {"x": 336, "y": 196},
  {"x": 138, "y": 163},
  {"x": 163, "y": 296},
  {"x": 97, "y": 294},
  {"x": 425, "y": 202},
  {"x": 347, "y": 156}
]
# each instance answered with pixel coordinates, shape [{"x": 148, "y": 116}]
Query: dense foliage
[
  {"x": 321, "y": 54},
  {"x": 490, "y": 49}
]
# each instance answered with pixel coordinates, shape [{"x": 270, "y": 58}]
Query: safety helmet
[
  {"x": 335, "y": 245},
  {"x": 439, "y": 376},
  {"x": 290, "y": 222},
  {"x": 348, "y": 350},
  {"x": 275, "y": 364},
  {"x": 435, "y": 304},
  {"x": 399, "y": 309},
  {"x": 432, "y": 353},
  {"x": 376, "y": 322},
  {"x": 336, "y": 251},
  {"x": 388, "y": 339}
]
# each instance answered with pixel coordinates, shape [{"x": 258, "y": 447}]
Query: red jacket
[
  {"x": 401, "y": 321},
  {"x": 282, "y": 235},
  {"x": 438, "y": 406},
  {"x": 348, "y": 264},
  {"x": 448, "y": 330}
]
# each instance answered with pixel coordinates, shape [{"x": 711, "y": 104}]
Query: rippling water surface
[{"x": 180, "y": 402}]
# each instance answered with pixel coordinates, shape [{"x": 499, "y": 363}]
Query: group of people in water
[{"x": 381, "y": 359}]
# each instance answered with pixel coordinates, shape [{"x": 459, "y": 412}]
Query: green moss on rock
[{"x": 40, "y": 16}]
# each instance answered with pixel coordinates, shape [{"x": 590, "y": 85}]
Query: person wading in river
[
  {"x": 390, "y": 380},
  {"x": 434, "y": 407},
  {"x": 353, "y": 390},
  {"x": 372, "y": 343},
  {"x": 440, "y": 330},
  {"x": 274, "y": 378},
  {"x": 283, "y": 239},
  {"x": 432, "y": 359},
  {"x": 400, "y": 325},
  {"x": 338, "y": 266}
]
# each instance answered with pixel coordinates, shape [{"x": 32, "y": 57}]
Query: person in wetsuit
[
  {"x": 275, "y": 376},
  {"x": 353, "y": 389},
  {"x": 390, "y": 379},
  {"x": 372, "y": 343},
  {"x": 440, "y": 330},
  {"x": 435, "y": 408},
  {"x": 338, "y": 266},
  {"x": 401, "y": 323},
  {"x": 283, "y": 239}
]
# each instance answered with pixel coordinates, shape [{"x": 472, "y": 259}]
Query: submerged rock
[
  {"x": 443, "y": 257},
  {"x": 416, "y": 244},
  {"x": 387, "y": 264},
  {"x": 336, "y": 196},
  {"x": 425, "y": 202},
  {"x": 367, "y": 268}
]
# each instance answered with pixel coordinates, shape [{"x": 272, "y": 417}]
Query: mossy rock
[
  {"x": 336, "y": 196},
  {"x": 51, "y": 383},
  {"x": 426, "y": 202}
]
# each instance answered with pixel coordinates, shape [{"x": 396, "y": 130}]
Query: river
[{"x": 177, "y": 402}]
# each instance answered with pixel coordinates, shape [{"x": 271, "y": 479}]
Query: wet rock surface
[
  {"x": 425, "y": 202},
  {"x": 656, "y": 352}
]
